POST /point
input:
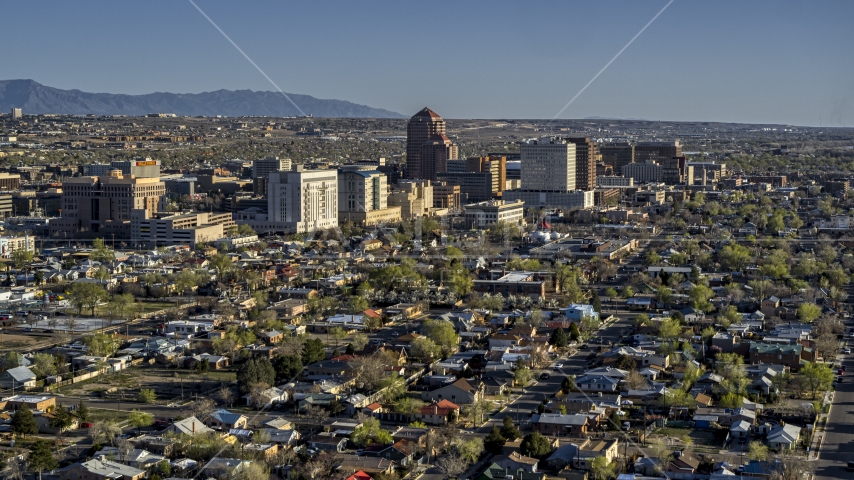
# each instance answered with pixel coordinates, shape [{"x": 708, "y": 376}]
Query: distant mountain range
[{"x": 35, "y": 98}]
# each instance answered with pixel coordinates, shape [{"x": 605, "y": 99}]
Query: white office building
[
  {"x": 298, "y": 201},
  {"x": 548, "y": 164}
]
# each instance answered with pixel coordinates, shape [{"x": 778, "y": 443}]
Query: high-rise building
[
  {"x": 414, "y": 197},
  {"x": 261, "y": 170},
  {"x": 17, "y": 114},
  {"x": 586, "y": 157},
  {"x": 435, "y": 154},
  {"x": 548, "y": 164},
  {"x": 427, "y": 128},
  {"x": 103, "y": 205},
  {"x": 617, "y": 155},
  {"x": 187, "y": 228},
  {"x": 644, "y": 172},
  {"x": 657, "y": 151},
  {"x": 363, "y": 196}
]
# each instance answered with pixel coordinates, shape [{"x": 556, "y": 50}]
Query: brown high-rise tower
[
  {"x": 586, "y": 156},
  {"x": 423, "y": 127}
]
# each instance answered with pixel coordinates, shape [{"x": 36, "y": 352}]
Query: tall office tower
[
  {"x": 658, "y": 152},
  {"x": 104, "y": 204},
  {"x": 421, "y": 128},
  {"x": 302, "y": 200},
  {"x": 617, "y": 155},
  {"x": 435, "y": 154},
  {"x": 261, "y": 170},
  {"x": 363, "y": 196},
  {"x": 17, "y": 114},
  {"x": 548, "y": 164},
  {"x": 586, "y": 156}
]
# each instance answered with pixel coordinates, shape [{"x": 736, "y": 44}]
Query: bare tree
[
  {"x": 452, "y": 465},
  {"x": 369, "y": 370},
  {"x": 124, "y": 447},
  {"x": 635, "y": 381},
  {"x": 202, "y": 408},
  {"x": 789, "y": 466},
  {"x": 225, "y": 395},
  {"x": 14, "y": 469},
  {"x": 258, "y": 395}
]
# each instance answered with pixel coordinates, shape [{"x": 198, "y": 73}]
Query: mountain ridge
[{"x": 33, "y": 97}]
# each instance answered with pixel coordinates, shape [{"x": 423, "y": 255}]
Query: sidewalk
[{"x": 821, "y": 420}]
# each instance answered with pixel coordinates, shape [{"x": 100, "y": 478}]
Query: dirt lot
[
  {"x": 23, "y": 342},
  {"x": 704, "y": 441},
  {"x": 167, "y": 383}
]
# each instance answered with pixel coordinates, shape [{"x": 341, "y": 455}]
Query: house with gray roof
[
  {"x": 597, "y": 383},
  {"x": 188, "y": 426},
  {"x": 225, "y": 420},
  {"x": 555, "y": 424},
  {"x": 101, "y": 470},
  {"x": 18, "y": 377}
]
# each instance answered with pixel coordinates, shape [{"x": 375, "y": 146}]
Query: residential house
[
  {"x": 225, "y": 420},
  {"x": 100, "y": 470},
  {"x": 418, "y": 436},
  {"x": 188, "y": 426},
  {"x": 18, "y": 377},
  {"x": 596, "y": 383},
  {"x": 437, "y": 413},
  {"x": 555, "y": 424},
  {"x": 685, "y": 463},
  {"x": 327, "y": 442},
  {"x": 783, "y": 437},
  {"x": 272, "y": 337},
  {"x": 34, "y": 402},
  {"x": 369, "y": 465},
  {"x": 334, "y": 368},
  {"x": 459, "y": 392},
  {"x": 137, "y": 457},
  {"x": 401, "y": 451},
  {"x": 788, "y": 355},
  {"x": 516, "y": 461}
]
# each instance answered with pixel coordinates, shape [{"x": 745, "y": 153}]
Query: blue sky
[{"x": 758, "y": 61}]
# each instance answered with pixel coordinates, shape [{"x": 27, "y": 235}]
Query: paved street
[
  {"x": 838, "y": 446},
  {"x": 520, "y": 409}
]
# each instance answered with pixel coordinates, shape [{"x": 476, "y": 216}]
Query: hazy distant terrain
[{"x": 34, "y": 97}]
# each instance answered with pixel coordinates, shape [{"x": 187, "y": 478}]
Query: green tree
[
  {"x": 140, "y": 419},
  {"x": 287, "y": 367},
  {"x": 731, "y": 400},
  {"x": 442, "y": 333},
  {"x": 62, "y": 419},
  {"x": 558, "y": 338},
  {"x": 597, "y": 304},
  {"x": 817, "y": 376},
  {"x": 313, "y": 351},
  {"x": 523, "y": 375},
  {"x": 494, "y": 442},
  {"x": 602, "y": 468},
  {"x": 41, "y": 458},
  {"x": 470, "y": 450},
  {"x": 628, "y": 292},
  {"x": 393, "y": 387},
  {"x": 611, "y": 293},
  {"x": 43, "y": 364},
  {"x": 357, "y": 304},
  {"x": 253, "y": 372},
  {"x": 146, "y": 395},
  {"x": 700, "y": 295},
  {"x": 757, "y": 451},
  {"x": 23, "y": 423},
  {"x": 370, "y": 432},
  {"x": 669, "y": 328},
  {"x": 11, "y": 360},
  {"x": 86, "y": 295},
  {"x": 535, "y": 445},
  {"x": 460, "y": 281},
  {"x": 574, "y": 333},
  {"x": 808, "y": 312},
  {"x": 734, "y": 257},
  {"x": 101, "y": 345},
  {"x": 82, "y": 412},
  {"x": 221, "y": 264},
  {"x": 509, "y": 430},
  {"x": 100, "y": 252},
  {"x": 425, "y": 349},
  {"x": 338, "y": 334}
]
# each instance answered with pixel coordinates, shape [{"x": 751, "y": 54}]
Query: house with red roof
[
  {"x": 360, "y": 475},
  {"x": 437, "y": 413}
]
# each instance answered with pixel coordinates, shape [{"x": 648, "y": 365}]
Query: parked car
[
  {"x": 846, "y": 351},
  {"x": 838, "y": 379},
  {"x": 558, "y": 366},
  {"x": 86, "y": 425},
  {"x": 544, "y": 376},
  {"x": 840, "y": 371},
  {"x": 161, "y": 423}
]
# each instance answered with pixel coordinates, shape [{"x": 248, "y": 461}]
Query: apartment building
[
  {"x": 643, "y": 172},
  {"x": 10, "y": 244},
  {"x": 10, "y": 181},
  {"x": 657, "y": 151},
  {"x": 414, "y": 197}
]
